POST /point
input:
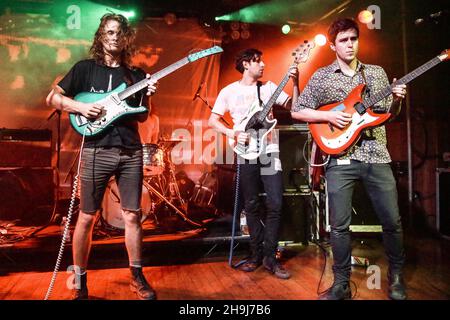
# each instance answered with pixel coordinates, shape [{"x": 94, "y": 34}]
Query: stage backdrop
[{"x": 37, "y": 50}]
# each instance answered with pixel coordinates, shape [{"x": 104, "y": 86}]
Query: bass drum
[{"x": 112, "y": 211}]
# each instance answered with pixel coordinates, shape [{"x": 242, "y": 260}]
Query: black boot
[
  {"x": 251, "y": 264},
  {"x": 338, "y": 291},
  {"x": 397, "y": 290},
  {"x": 140, "y": 286},
  {"x": 272, "y": 265},
  {"x": 80, "y": 290}
]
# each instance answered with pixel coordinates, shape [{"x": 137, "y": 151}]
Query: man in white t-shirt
[{"x": 239, "y": 98}]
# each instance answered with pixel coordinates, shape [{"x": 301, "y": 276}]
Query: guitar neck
[
  {"x": 406, "y": 79},
  {"x": 156, "y": 76},
  {"x": 268, "y": 106}
]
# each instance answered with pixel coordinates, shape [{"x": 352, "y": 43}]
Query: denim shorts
[{"x": 98, "y": 165}]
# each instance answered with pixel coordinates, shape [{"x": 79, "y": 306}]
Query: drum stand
[{"x": 169, "y": 196}]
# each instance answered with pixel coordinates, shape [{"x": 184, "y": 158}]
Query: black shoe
[
  {"x": 338, "y": 291},
  {"x": 274, "y": 267},
  {"x": 250, "y": 265},
  {"x": 397, "y": 290},
  {"x": 140, "y": 286},
  {"x": 80, "y": 290}
]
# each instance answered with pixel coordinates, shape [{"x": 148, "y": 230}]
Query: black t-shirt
[{"x": 89, "y": 76}]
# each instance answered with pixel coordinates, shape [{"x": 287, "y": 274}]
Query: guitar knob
[{"x": 103, "y": 119}]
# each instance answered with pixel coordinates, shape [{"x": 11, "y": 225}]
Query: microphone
[
  {"x": 431, "y": 17},
  {"x": 198, "y": 91}
]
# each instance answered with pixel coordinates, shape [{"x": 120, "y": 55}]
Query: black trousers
[
  {"x": 380, "y": 185},
  {"x": 263, "y": 226}
]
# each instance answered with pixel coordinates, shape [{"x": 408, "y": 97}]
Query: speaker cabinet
[
  {"x": 294, "y": 217},
  {"x": 294, "y": 149},
  {"x": 443, "y": 202},
  {"x": 27, "y": 195},
  {"x": 25, "y": 148}
]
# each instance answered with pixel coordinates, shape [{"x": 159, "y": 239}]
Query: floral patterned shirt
[{"x": 329, "y": 84}]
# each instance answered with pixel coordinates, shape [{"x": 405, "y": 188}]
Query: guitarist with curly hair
[{"x": 116, "y": 151}]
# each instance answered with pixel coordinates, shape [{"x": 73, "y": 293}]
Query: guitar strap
[
  {"x": 127, "y": 76},
  {"x": 258, "y": 90},
  {"x": 368, "y": 133}
]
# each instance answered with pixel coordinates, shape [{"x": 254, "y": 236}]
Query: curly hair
[{"x": 126, "y": 37}]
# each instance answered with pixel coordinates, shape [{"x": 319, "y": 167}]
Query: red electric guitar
[{"x": 335, "y": 141}]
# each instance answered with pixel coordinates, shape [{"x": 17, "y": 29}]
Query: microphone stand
[
  {"x": 210, "y": 108},
  {"x": 58, "y": 157}
]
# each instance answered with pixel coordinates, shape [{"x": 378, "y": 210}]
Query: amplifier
[
  {"x": 25, "y": 148},
  {"x": 443, "y": 202},
  {"x": 294, "y": 154},
  {"x": 25, "y": 135}
]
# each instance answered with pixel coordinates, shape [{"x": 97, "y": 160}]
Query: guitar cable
[
  {"x": 323, "y": 164},
  {"x": 67, "y": 224},
  {"x": 235, "y": 209}
]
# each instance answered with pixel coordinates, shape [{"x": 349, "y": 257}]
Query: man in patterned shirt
[{"x": 367, "y": 161}]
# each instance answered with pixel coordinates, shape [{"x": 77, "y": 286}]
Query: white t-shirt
[{"x": 238, "y": 99}]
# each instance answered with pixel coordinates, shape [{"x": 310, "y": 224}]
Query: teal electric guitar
[{"x": 113, "y": 102}]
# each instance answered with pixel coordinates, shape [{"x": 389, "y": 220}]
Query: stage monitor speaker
[
  {"x": 364, "y": 218},
  {"x": 443, "y": 201},
  {"x": 27, "y": 195},
  {"x": 294, "y": 217},
  {"x": 294, "y": 142}
]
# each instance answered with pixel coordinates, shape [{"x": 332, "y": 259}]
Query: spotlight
[
  {"x": 286, "y": 29},
  {"x": 129, "y": 14},
  {"x": 320, "y": 39},
  {"x": 245, "y": 26},
  {"x": 365, "y": 16},
  {"x": 234, "y": 26},
  {"x": 245, "y": 34},
  {"x": 235, "y": 35},
  {"x": 170, "y": 18}
]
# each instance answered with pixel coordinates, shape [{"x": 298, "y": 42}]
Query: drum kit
[{"x": 160, "y": 189}]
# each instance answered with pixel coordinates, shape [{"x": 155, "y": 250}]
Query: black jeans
[
  {"x": 263, "y": 238},
  {"x": 380, "y": 185}
]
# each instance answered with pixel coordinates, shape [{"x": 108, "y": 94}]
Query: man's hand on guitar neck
[
  {"x": 293, "y": 73},
  {"x": 151, "y": 85},
  {"x": 399, "y": 91}
]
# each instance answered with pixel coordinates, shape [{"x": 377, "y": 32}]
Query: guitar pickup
[
  {"x": 360, "y": 108},
  {"x": 115, "y": 98}
]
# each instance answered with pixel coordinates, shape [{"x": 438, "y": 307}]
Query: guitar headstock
[
  {"x": 204, "y": 53},
  {"x": 302, "y": 52},
  {"x": 444, "y": 55}
]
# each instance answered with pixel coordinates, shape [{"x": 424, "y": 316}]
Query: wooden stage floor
[{"x": 180, "y": 269}]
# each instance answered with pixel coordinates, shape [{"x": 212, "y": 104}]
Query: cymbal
[
  {"x": 170, "y": 143},
  {"x": 171, "y": 140}
]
